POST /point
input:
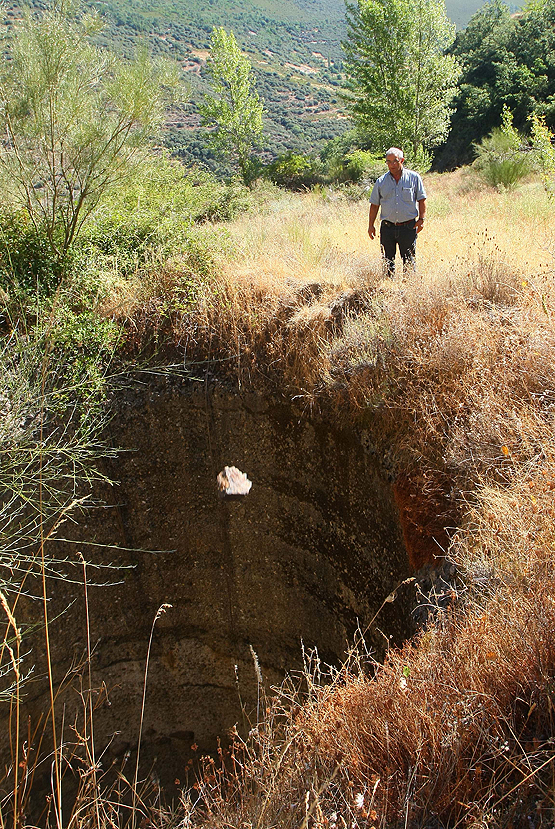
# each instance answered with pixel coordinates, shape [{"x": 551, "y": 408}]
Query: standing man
[{"x": 400, "y": 194}]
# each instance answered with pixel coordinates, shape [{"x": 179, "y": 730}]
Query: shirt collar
[{"x": 400, "y": 177}]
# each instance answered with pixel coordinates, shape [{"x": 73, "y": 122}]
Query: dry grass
[
  {"x": 314, "y": 237},
  {"x": 455, "y": 721},
  {"x": 455, "y": 728}
]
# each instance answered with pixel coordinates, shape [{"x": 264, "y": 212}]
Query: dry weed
[{"x": 447, "y": 724}]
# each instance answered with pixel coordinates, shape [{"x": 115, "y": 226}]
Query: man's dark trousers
[{"x": 403, "y": 235}]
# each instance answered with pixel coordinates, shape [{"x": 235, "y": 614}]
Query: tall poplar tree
[
  {"x": 233, "y": 111},
  {"x": 400, "y": 81}
]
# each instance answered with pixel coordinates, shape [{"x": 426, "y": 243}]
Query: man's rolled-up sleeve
[{"x": 420, "y": 192}]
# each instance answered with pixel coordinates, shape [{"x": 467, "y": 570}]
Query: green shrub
[
  {"x": 150, "y": 217},
  {"x": 83, "y": 343},
  {"x": 544, "y": 151},
  {"x": 190, "y": 274},
  {"x": 295, "y": 171},
  {"x": 28, "y": 265},
  {"x": 354, "y": 166},
  {"x": 504, "y": 157},
  {"x": 154, "y": 213},
  {"x": 421, "y": 160},
  {"x": 363, "y": 164}
]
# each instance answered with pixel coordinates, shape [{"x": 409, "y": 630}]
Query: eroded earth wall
[{"x": 309, "y": 555}]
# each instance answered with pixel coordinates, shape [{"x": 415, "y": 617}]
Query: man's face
[{"x": 394, "y": 164}]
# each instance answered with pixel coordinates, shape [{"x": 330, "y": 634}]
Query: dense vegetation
[
  {"x": 507, "y": 61},
  {"x": 295, "y": 51},
  {"x": 299, "y": 67},
  {"x": 298, "y": 63}
]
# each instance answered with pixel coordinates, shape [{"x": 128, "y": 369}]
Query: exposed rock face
[{"x": 311, "y": 553}]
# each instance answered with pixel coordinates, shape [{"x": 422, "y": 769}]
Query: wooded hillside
[{"x": 294, "y": 47}]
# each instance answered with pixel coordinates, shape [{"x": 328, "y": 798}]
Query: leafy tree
[
  {"x": 534, "y": 51},
  {"x": 506, "y": 156},
  {"x": 73, "y": 119},
  {"x": 346, "y": 162},
  {"x": 401, "y": 82},
  {"x": 295, "y": 171},
  {"x": 488, "y": 81},
  {"x": 507, "y": 62},
  {"x": 233, "y": 111},
  {"x": 544, "y": 151}
]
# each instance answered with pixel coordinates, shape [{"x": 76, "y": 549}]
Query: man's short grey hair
[{"x": 399, "y": 154}]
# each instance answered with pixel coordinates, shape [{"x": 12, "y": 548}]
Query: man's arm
[
  {"x": 372, "y": 220},
  {"x": 421, "y": 214}
]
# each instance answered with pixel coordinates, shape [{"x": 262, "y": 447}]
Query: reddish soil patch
[{"x": 426, "y": 515}]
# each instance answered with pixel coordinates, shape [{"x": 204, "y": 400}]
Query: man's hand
[
  {"x": 421, "y": 213},
  {"x": 372, "y": 220}
]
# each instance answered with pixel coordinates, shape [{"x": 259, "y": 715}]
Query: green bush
[
  {"x": 191, "y": 273},
  {"x": 295, "y": 171},
  {"x": 154, "y": 213},
  {"x": 543, "y": 149},
  {"x": 76, "y": 116},
  {"x": 363, "y": 164},
  {"x": 421, "y": 160},
  {"x": 150, "y": 217},
  {"x": 355, "y": 166},
  {"x": 28, "y": 265},
  {"x": 504, "y": 157},
  {"x": 83, "y": 344}
]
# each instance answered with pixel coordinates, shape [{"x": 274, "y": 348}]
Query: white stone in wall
[{"x": 233, "y": 482}]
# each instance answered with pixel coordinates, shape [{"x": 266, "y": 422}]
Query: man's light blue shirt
[{"x": 398, "y": 199}]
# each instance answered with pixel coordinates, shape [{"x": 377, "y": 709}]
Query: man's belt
[{"x": 398, "y": 224}]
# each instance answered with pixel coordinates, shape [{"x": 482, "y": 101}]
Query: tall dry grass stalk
[
  {"x": 135, "y": 787},
  {"x": 48, "y": 454}
]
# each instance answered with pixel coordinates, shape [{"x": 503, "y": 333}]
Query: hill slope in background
[{"x": 294, "y": 47}]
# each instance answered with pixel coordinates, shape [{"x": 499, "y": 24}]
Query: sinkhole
[{"x": 301, "y": 563}]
